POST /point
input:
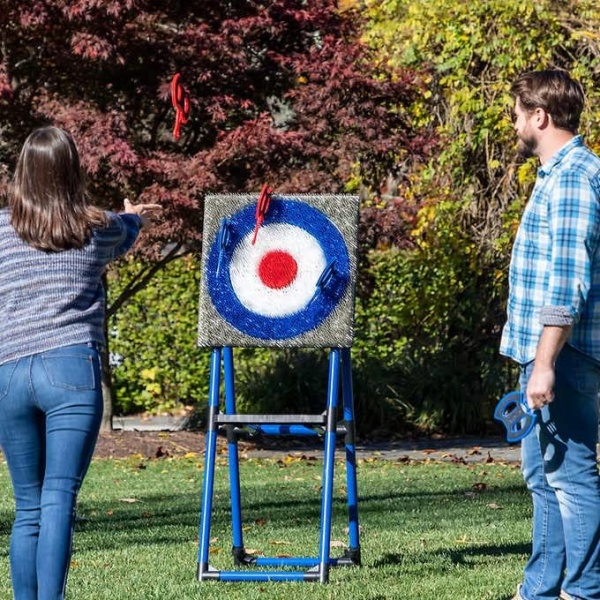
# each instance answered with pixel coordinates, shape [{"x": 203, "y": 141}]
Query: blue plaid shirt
[{"x": 554, "y": 273}]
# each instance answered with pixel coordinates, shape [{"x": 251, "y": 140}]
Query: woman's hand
[{"x": 146, "y": 211}]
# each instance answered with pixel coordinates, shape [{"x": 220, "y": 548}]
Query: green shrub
[
  {"x": 288, "y": 380},
  {"x": 426, "y": 352},
  {"x": 156, "y": 364},
  {"x": 425, "y": 356}
]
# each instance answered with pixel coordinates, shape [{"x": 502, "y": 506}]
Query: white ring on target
[{"x": 245, "y": 261}]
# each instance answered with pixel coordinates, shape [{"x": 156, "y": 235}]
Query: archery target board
[{"x": 288, "y": 282}]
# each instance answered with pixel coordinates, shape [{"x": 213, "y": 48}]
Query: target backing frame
[{"x": 315, "y": 309}]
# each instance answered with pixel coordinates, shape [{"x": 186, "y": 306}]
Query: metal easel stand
[{"x": 327, "y": 425}]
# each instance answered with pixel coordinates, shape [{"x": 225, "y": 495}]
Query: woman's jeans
[
  {"x": 560, "y": 470},
  {"x": 50, "y": 414}
]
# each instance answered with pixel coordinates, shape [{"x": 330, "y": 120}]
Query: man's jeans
[
  {"x": 560, "y": 470},
  {"x": 50, "y": 414}
]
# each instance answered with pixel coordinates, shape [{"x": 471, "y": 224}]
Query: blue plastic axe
[{"x": 512, "y": 411}]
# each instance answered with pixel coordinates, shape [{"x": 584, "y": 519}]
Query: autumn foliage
[{"x": 281, "y": 92}]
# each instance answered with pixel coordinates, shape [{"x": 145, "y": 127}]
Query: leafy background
[{"x": 403, "y": 102}]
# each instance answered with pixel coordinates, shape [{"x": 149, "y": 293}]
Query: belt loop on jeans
[{"x": 523, "y": 366}]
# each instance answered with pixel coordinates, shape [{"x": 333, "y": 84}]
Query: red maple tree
[{"x": 281, "y": 92}]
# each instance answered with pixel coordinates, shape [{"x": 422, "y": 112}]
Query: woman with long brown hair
[{"x": 54, "y": 247}]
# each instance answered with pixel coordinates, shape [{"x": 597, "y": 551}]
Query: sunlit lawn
[{"x": 429, "y": 531}]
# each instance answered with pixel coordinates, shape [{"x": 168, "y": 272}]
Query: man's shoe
[{"x": 518, "y": 596}]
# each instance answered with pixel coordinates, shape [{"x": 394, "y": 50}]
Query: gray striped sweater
[{"x": 54, "y": 299}]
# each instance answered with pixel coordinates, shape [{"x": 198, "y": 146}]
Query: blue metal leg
[
  {"x": 209, "y": 463},
  {"x": 239, "y": 554},
  {"x": 350, "y": 443},
  {"x": 328, "y": 464}
]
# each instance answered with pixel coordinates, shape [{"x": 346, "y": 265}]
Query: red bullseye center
[{"x": 277, "y": 269}]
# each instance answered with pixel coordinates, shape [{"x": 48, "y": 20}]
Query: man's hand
[{"x": 540, "y": 387}]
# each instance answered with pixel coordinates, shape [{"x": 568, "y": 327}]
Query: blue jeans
[
  {"x": 560, "y": 469},
  {"x": 50, "y": 414}
]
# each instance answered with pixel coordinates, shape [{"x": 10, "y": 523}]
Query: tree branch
[{"x": 143, "y": 277}]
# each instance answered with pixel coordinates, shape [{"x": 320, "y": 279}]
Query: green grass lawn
[{"x": 429, "y": 531}]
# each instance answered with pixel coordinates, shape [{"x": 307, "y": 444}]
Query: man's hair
[
  {"x": 49, "y": 204},
  {"x": 554, "y": 91}
]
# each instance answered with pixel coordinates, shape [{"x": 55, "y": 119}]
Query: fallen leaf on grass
[
  {"x": 308, "y": 459},
  {"x": 456, "y": 459},
  {"x": 160, "y": 453}
]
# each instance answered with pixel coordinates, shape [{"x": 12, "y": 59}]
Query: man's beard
[{"x": 526, "y": 147}]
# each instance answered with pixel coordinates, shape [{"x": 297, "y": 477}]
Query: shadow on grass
[
  {"x": 6, "y": 519},
  {"x": 174, "y": 518},
  {"x": 460, "y": 557}
]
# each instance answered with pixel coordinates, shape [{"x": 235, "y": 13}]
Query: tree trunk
[{"x": 107, "y": 397}]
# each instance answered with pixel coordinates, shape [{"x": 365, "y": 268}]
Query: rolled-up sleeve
[{"x": 574, "y": 229}]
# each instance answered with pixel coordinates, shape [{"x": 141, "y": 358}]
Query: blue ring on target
[{"x": 323, "y": 302}]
